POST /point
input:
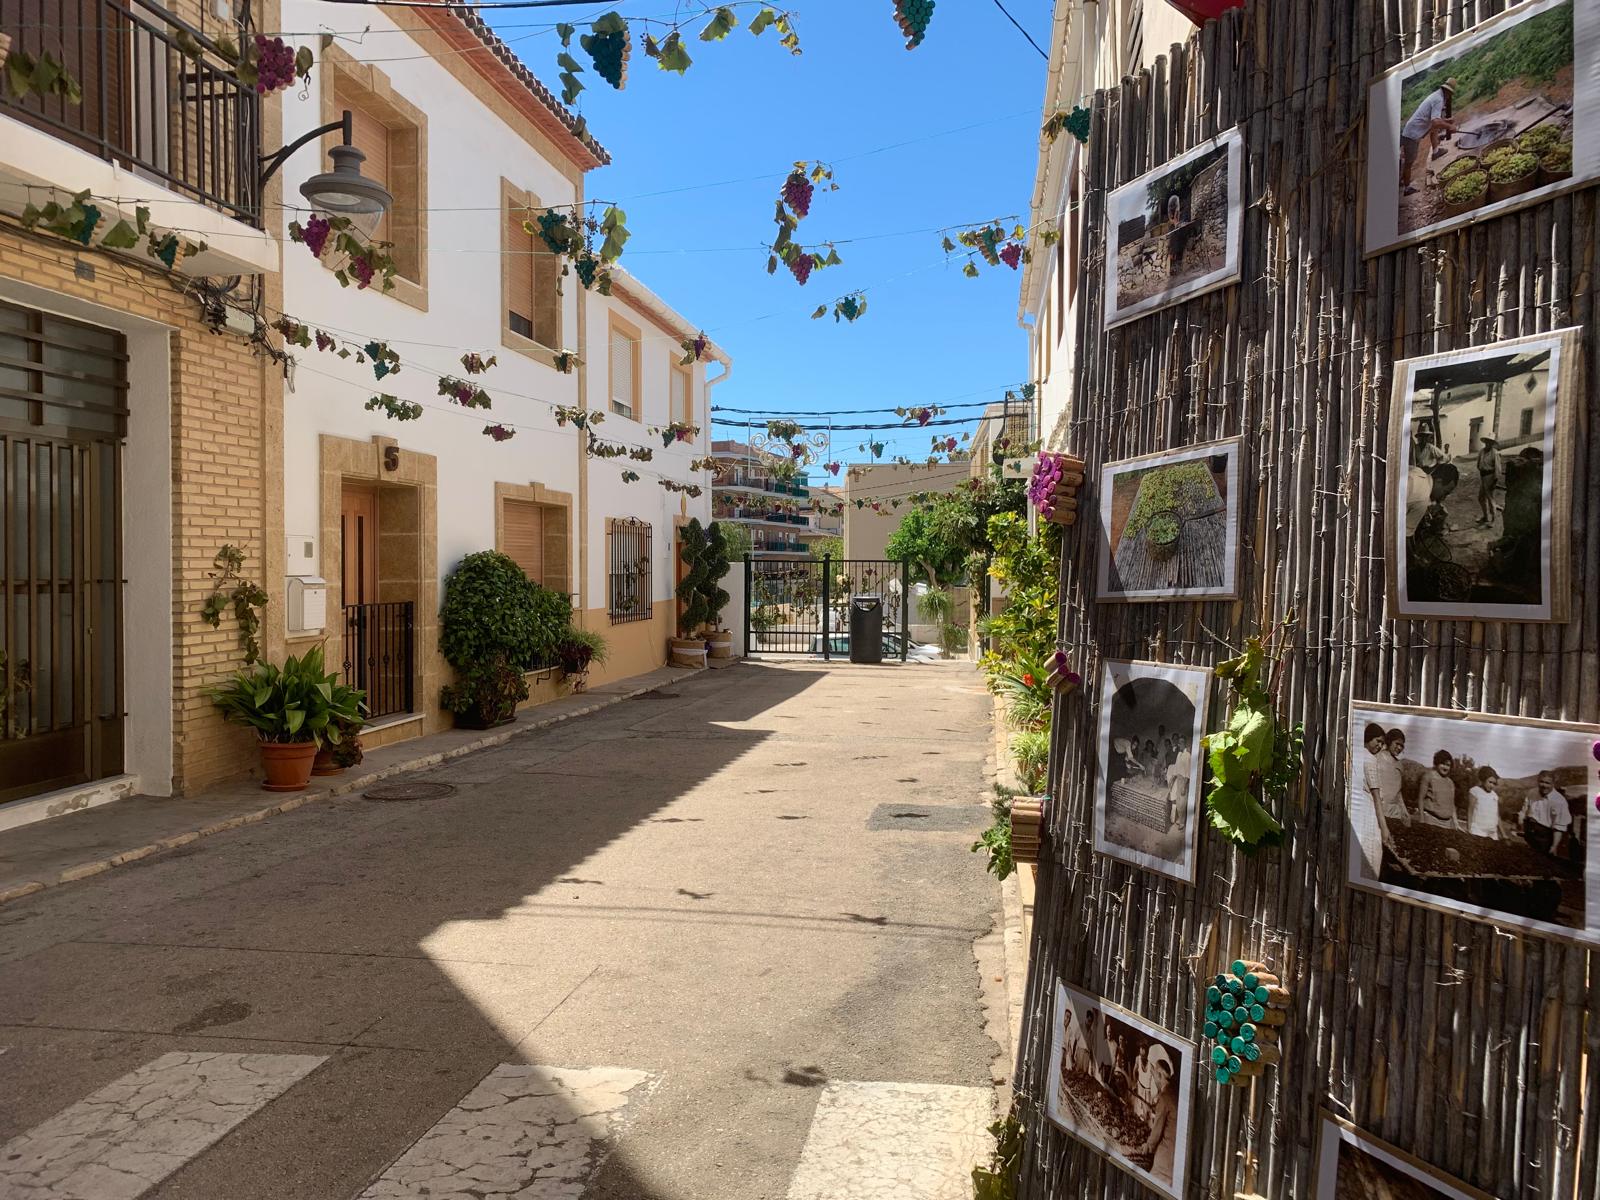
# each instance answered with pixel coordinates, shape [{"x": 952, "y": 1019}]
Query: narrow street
[{"x": 686, "y": 948}]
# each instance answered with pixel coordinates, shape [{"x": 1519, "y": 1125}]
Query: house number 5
[{"x": 391, "y": 458}]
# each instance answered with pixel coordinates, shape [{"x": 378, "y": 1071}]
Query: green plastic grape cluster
[
  {"x": 610, "y": 54},
  {"x": 913, "y": 17},
  {"x": 1236, "y": 1006}
]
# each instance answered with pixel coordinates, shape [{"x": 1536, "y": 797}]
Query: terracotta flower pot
[
  {"x": 287, "y": 765},
  {"x": 323, "y": 764}
]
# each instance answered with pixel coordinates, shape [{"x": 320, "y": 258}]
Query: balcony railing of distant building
[
  {"x": 181, "y": 120},
  {"x": 744, "y": 512},
  {"x": 761, "y": 483}
]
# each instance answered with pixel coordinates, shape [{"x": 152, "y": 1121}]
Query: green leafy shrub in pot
[
  {"x": 299, "y": 702},
  {"x": 580, "y": 650},
  {"x": 552, "y": 621},
  {"x": 1031, "y": 749},
  {"x": 496, "y": 623},
  {"x": 1509, "y": 168},
  {"x": 706, "y": 559},
  {"x": 1467, "y": 189},
  {"x": 487, "y": 694}
]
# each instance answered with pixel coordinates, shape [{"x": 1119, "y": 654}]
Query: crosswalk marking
[
  {"x": 911, "y": 1141},
  {"x": 535, "y": 1133},
  {"x": 137, "y": 1130}
]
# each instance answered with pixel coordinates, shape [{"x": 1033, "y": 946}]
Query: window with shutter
[
  {"x": 682, "y": 396},
  {"x": 390, "y": 132},
  {"x": 624, "y": 369},
  {"x": 530, "y": 275},
  {"x": 519, "y": 273},
  {"x": 523, "y": 538}
]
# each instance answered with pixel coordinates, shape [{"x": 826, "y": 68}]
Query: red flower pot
[{"x": 287, "y": 765}]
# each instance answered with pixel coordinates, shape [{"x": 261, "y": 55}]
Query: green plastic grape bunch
[
  {"x": 608, "y": 46},
  {"x": 913, "y": 17},
  {"x": 1245, "y": 1009}
]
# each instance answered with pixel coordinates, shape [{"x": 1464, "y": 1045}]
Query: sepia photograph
[
  {"x": 1174, "y": 232},
  {"x": 1488, "y": 121},
  {"x": 1482, "y": 817},
  {"x": 1352, "y": 1165},
  {"x": 1481, "y": 494},
  {"x": 1169, "y": 525},
  {"x": 1122, "y": 1086},
  {"x": 1152, "y": 720}
]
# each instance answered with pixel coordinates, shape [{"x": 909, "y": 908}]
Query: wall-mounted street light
[{"x": 343, "y": 191}]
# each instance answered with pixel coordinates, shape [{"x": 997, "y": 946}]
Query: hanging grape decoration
[
  {"x": 608, "y": 46},
  {"x": 913, "y": 17},
  {"x": 794, "y": 205},
  {"x": 1245, "y": 1010},
  {"x": 992, "y": 243}
]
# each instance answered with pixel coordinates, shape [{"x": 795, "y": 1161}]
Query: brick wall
[{"x": 226, "y": 406}]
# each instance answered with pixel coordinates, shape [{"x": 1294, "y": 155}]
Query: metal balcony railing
[{"x": 182, "y": 119}]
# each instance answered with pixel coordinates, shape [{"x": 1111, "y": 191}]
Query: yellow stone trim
[{"x": 393, "y": 109}]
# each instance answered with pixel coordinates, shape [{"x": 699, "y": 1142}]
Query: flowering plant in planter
[
  {"x": 580, "y": 650},
  {"x": 486, "y": 695}
]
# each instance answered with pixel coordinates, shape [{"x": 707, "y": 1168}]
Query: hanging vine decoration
[
  {"x": 570, "y": 235},
  {"x": 499, "y": 433},
  {"x": 694, "y": 350},
  {"x": 794, "y": 204},
  {"x": 246, "y": 597},
  {"x": 913, "y": 17},
  {"x": 873, "y": 448},
  {"x": 630, "y": 477},
  {"x": 566, "y": 361},
  {"x": 266, "y": 64},
  {"x": 463, "y": 392},
  {"x": 362, "y": 261},
  {"x": 919, "y": 415},
  {"x": 846, "y": 308},
  {"x": 691, "y": 490},
  {"x": 78, "y": 221},
  {"x": 474, "y": 363},
  {"x": 45, "y": 76},
  {"x": 384, "y": 360},
  {"x": 609, "y": 44},
  {"x": 990, "y": 242},
  {"x": 1075, "y": 122},
  {"x": 708, "y": 463},
  {"x": 578, "y": 418},
  {"x": 393, "y": 407},
  {"x": 1256, "y": 757},
  {"x": 675, "y": 431}
]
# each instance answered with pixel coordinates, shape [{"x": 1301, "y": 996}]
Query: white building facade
[{"x": 381, "y": 510}]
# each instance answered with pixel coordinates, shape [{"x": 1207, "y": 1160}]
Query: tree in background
[
  {"x": 828, "y": 547},
  {"x": 946, "y": 536},
  {"x": 736, "y": 541}
]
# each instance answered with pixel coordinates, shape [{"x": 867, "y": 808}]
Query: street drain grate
[{"x": 409, "y": 791}]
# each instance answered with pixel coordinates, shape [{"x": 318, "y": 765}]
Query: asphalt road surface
[{"x": 711, "y": 945}]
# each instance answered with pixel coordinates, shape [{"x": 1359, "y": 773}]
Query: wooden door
[{"x": 358, "y": 529}]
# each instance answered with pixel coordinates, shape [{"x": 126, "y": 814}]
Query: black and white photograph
[
  {"x": 1352, "y": 1165},
  {"x": 1481, "y": 494},
  {"x": 1496, "y": 118},
  {"x": 1479, "y": 816},
  {"x": 1174, "y": 232},
  {"x": 1122, "y": 1086},
  {"x": 1169, "y": 525},
  {"x": 1152, "y": 720}
]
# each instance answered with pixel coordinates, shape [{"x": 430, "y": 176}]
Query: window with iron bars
[{"x": 628, "y": 582}]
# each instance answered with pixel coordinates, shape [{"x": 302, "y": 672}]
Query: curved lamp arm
[{"x": 271, "y": 162}]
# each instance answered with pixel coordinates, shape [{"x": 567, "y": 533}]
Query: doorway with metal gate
[
  {"x": 802, "y": 605},
  {"x": 63, "y": 418},
  {"x": 378, "y": 586}
]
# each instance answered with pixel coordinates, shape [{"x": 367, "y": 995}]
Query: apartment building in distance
[{"x": 777, "y": 512}]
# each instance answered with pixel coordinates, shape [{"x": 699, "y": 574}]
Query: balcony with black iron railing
[{"x": 159, "y": 99}]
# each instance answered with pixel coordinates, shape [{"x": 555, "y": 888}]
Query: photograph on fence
[
  {"x": 1152, "y": 719},
  {"x": 1352, "y": 1165},
  {"x": 1169, "y": 525},
  {"x": 1480, "y": 498},
  {"x": 1491, "y": 120},
  {"x": 1122, "y": 1086},
  {"x": 1482, "y": 817},
  {"x": 1174, "y": 232}
]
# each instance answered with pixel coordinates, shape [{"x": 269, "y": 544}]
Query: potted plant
[
  {"x": 1466, "y": 192},
  {"x": 581, "y": 649},
  {"x": 344, "y": 740},
  {"x": 294, "y": 710},
  {"x": 695, "y": 595},
  {"x": 490, "y": 630},
  {"x": 1555, "y": 164},
  {"x": 716, "y": 564},
  {"x": 1512, "y": 174},
  {"x": 1538, "y": 140},
  {"x": 1465, "y": 165}
]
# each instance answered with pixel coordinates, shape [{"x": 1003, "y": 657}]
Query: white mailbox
[{"x": 308, "y": 603}]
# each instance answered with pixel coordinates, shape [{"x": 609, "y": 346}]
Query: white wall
[
  {"x": 645, "y": 498},
  {"x": 469, "y": 150}
]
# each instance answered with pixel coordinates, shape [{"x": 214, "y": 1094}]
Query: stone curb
[{"x": 344, "y": 787}]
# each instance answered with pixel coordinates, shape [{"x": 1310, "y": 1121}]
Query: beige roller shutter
[{"x": 523, "y": 538}]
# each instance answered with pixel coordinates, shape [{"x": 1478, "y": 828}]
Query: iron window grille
[{"x": 628, "y": 542}]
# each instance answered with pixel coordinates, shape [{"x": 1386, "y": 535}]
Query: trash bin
[{"x": 866, "y": 628}]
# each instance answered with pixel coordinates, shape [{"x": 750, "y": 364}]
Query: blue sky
[{"x": 745, "y": 111}]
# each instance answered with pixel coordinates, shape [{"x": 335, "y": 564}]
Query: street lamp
[{"x": 343, "y": 191}]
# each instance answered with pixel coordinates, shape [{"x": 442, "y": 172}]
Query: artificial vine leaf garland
[
  {"x": 499, "y": 433},
  {"x": 992, "y": 243},
  {"x": 364, "y": 261},
  {"x": 1075, "y": 122},
  {"x": 847, "y": 308},
  {"x": 266, "y": 64},
  {"x": 463, "y": 392},
  {"x": 579, "y": 418},
  {"x": 394, "y": 408},
  {"x": 384, "y": 360},
  {"x": 630, "y": 477},
  {"x": 570, "y": 234},
  {"x": 566, "y": 362},
  {"x": 913, "y": 17},
  {"x": 1255, "y": 756},
  {"x": 691, "y": 490},
  {"x": 694, "y": 350},
  {"x": 794, "y": 204},
  {"x": 474, "y": 363},
  {"x": 708, "y": 463},
  {"x": 919, "y": 415},
  {"x": 676, "y": 431},
  {"x": 45, "y": 75},
  {"x": 78, "y": 221},
  {"x": 609, "y": 45}
]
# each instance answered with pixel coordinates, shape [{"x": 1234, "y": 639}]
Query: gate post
[
  {"x": 749, "y": 595},
  {"x": 905, "y": 607},
  {"x": 826, "y": 638}
]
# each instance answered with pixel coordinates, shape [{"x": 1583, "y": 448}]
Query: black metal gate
[{"x": 802, "y": 605}]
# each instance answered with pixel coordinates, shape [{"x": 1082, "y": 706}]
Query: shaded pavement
[{"x": 631, "y": 956}]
